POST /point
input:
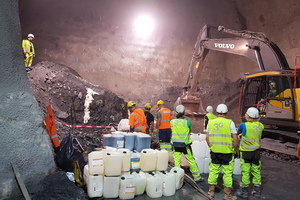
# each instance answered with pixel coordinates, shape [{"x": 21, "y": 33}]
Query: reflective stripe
[
  {"x": 139, "y": 127},
  {"x": 166, "y": 120},
  {"x": 222, "y": 143},
  {"x": 167, "y": 111},
  {"x": 178, "y": 140},
  {"x": 54, "y": 136},
  {"x": 220, "y": 135},
  {"x": 250, "y": 140},
  {"x": 250, "y": 147}
]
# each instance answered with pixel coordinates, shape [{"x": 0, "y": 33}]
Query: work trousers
[
  {"x": 249, "y": 168},
  {"x": 190, "y": 158},
  {"x": 28, "y": 59},
  {"x": 215, "y": 165},
  {"x": 165, "y": 139}
]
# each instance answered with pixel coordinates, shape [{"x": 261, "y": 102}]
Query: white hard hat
[
  {"x": 30, "y": 35},
  {"x": 222, "y": 109},
  {"x": 253, "y": 112},
  {"x": 209, "y": 109},
  {"x": 180, "y": 109},
  {"x": 272, "y": 84}
]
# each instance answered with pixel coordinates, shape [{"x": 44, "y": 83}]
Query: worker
[
  {"x": 251, "y": 132},
  {"x": 272, "y": 89},
  {"x": 181, "y": 141},
  {"x": 272, "y": 93},
  {"x": 149, "y": 118},
  {"x": 209, "y": 116},
  {"x": 28, "y": 50},
  {"x": 137, "y": 118},
  {"x": 163, "y": 119},
  {"x": 223, "y": 143}
]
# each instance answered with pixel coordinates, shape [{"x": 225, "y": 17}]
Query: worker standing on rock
[
  {"x": 137, "y": 118},
  {"x": 251, "y": 132},
  {"x": 209, "y": 116},
  {"x": 163, "y": 118},
  {"x": 149, "y": 118},
  {"x": 28, "y": 50},
  {"x": 181, "y": 141},
  {"x": 223, "y": 142}
]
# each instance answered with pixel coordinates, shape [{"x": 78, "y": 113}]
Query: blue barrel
[
  {"x": 129, "y": 141},
  {"x": 107, "y": 140},
  {"x": 143, "y": 141},
  {"x": 118, "y": 141}
]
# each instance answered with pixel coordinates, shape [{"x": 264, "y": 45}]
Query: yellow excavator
[{"x": 274, "y": 89}]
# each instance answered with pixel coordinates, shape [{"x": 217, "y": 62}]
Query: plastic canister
[
  {"x": 162, "y": 160},
  {"x": 169, "y": 185},
  {"x": 179, "y": 176},
  {"x": 202, "y": 137},
  {"x": 143, "y": 141},
  {"x": 135, "y": 162},
  {"x": 129, "y": 141},
  {"x": 199, "y": 149},
  {"x": 86, "y": 173},
  {"x": 127, "y": 186},
  {"x": 148, "y": 160},
  {"x": 195, "y": 137},
  {"x": 118, "y": 141},
  {"x": 95, "y": 162},
  {"x": 154, "y": 185},
  {"x": 237, "y": 169},
  {"x": 107, "y": 140},
  {"x": 206, "y": 165},
  {"x": 95, "y": 186},
  {"x": 125, "y": 159},
  {"x": 113, "y": 163},
  {"x": 123, "y": 125},
  {"x": 200, "y": 163},
  {"x": 141, "y": 181},
  {"x": 111, "y": 187},
  {"x": 108, "y": 149}
]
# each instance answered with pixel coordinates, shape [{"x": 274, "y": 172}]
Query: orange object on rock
[
  {"x": 298, "y": 150},
  {"x": 51, "y": 127}
]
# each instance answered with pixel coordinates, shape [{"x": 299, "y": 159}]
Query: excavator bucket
[{"x": 193, "y": 106}]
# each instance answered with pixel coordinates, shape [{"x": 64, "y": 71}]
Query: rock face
[{"x": 23, "y": 140}]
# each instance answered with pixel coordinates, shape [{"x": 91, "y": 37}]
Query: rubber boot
[
  {"x": 256, "y": 191},
  {"x": 243, "y": 192},
  {"x": 228, "y": 194},
  {"x": 211, "y": 191}
]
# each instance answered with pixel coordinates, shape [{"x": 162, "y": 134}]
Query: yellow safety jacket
[
  {"x": 28, "y": 47},
  {"x": 220, "y": 139},
  {"x": 251, "y": 141},
  {"x": 180, "y": 131}
]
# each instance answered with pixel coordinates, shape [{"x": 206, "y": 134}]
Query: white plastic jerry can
[
  {"x": 148, "y": 159},
  {"x": 125, "y": 159},
  {"x": 111, "y": 186},
  {"x": 169, "y": 185},
  {"x": 127, "y": 186},
  {"x": 237, "y": 167},
  {"x": 113, "y": 163},
  {"x": 95, "y": 162},
  {"x": 95, "y": 186},
  {"x": 141, "y": 182},
  {"x": 154, "y": 185},
  {"x": 162, "y": 160},
  {"x": 179, "y": 176}
]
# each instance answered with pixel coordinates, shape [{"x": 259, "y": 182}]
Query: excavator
[{"x": 274, "y": 89}]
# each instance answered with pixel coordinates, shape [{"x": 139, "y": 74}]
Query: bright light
[{"x": 144, "y": 26}]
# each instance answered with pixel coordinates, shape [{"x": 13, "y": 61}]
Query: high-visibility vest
[
  {"x": 28, "y": 47},
  {"x": 51, "y": 127},
  {"x": 137, "y": 119},
  {"x": 165, "y": 118},
  {"x": 210, "y": 116},
  {"x": 180, "y": 131},
  {"x": 251, "y": 141},
  {"x": 220, "y": 139}
]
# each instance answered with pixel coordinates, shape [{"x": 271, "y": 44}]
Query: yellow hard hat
[
  {"x": 130, "y": 104},
  {"x": 148, "y": 105},
  {"x": 160, "y": 102}
]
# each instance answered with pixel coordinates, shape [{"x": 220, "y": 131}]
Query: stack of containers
[{"x": 201, "y": 153}]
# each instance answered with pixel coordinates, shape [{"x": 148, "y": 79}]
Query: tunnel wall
[{"x": 23, "y": 140}]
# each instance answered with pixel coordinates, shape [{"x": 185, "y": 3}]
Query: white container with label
[
  {"x": 154, "y": 185},
  {"x": 113, "y": 163},
  {"x": 148, "y": 160},
  {"x": 127, "y": 186},
  {"x": 111, "y": 186},
  {"x": 162, "y": 160},
  {"x": 96, "y": 162},
  {"x": 86, "y": 173},
  {"x": 125, "y": 159},
  {"x": 118, "y": 141},
  {"x": 141, "y": 180},
  {"x": 169, "y": 185},
  {"x": 95, "y": 186},
  {"x": 135, "y": 162},
  {"x": 179, "y": 176}
]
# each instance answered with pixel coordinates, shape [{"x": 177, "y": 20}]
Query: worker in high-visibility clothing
[
  {"x": 137, "y": 118},
  {"x": 149, "y": 118},
  {"x": 251, "y": 132},
  {"x": 209, "y": 115},
  {"x": 28, "y": 50},
  {"x": 163, "y": 118},
  {"x": 181, "y": 141},
  {"x": 223, "y": 143}
]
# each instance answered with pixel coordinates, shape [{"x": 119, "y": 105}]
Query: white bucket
[
  {"x": 135, "y": 162},
  {"x": 113, "y": 163},
  {"x": 141, "y": 180},
  {"x": 125, "y": 159},
  {"x": 127, "y": 186},
  {"x": 86, "y": 173},
  {"x": 95, "y": 186},
  {"x": 95, "y": 162},
  {"x": 162, "y": 160},
  {"x": 169, "y": 185},
  {"x": 206, "y": 165},
  {"x": 179, "y": 176},
  {"x": 148, "y": 160},
  {"x": 154, "y": 186},
  {"x": 199, "y": 149},
  {"x": 237, "y": 168},
  {"x": 111, "y": 187},
  {"x": 200, "y": 163},
  {"x": 123, "y": 125}
]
